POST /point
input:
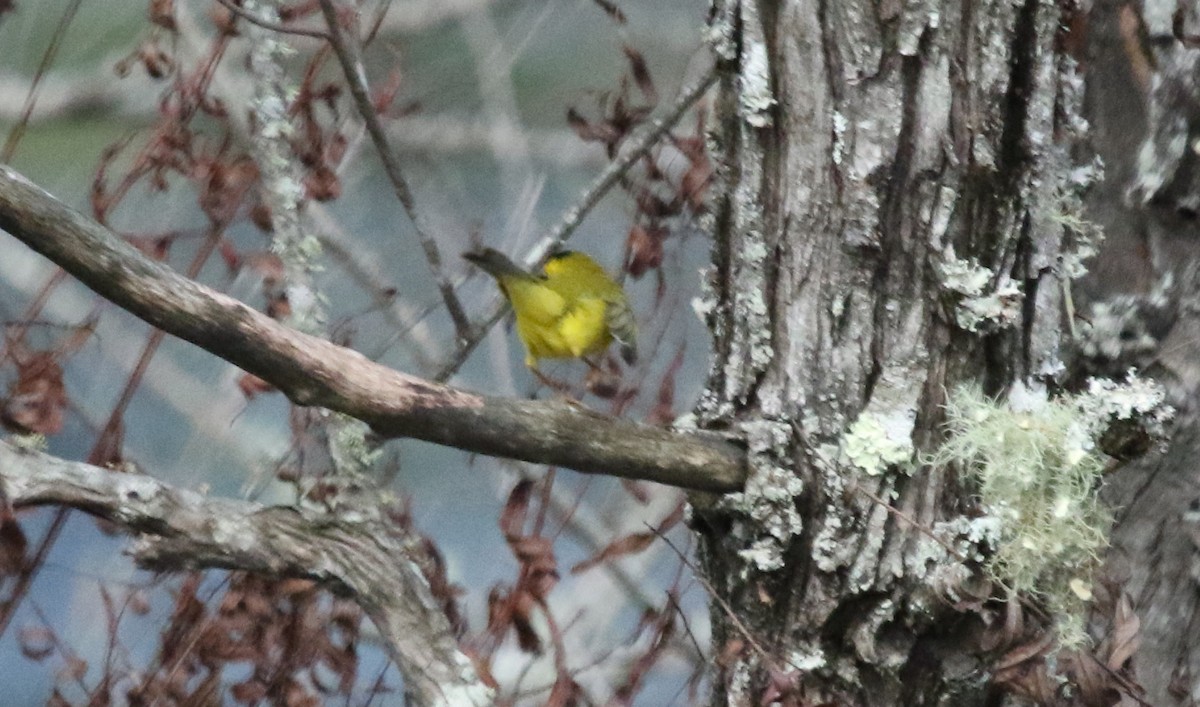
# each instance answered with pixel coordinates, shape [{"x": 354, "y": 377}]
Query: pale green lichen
[
  {"x": 755, "y": 99},
  {"x": 985, "y": 300},
  {"x": 1083, "y": 236},
  {"x": 354, "y": 452},
  {"x": 769, "y": 496},
  {"x": 1037, "y": 469},
  {"x": 807, "y": 657},
  {"x": 29, "y": 442},
  {"x": 874, "y": 443}
]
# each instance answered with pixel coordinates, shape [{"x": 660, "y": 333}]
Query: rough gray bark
[
  {"x": 1144, "y": 101},
  {"x": 858, "y": 143}
]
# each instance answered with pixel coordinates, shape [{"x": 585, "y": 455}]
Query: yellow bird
[{"x": 574, "y": 310}]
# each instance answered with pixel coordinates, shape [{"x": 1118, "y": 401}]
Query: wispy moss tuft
[{"x": 1037, "y": 469}]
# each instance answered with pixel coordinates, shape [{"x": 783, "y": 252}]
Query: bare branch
[
  {"x": 311, "y": 371},
  {"x": 350, "y": 58},
  {"x": 352, "y": 553}
]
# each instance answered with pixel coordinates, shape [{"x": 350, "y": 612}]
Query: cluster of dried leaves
[
  {"x": 514, "y": 610},
  {"x": 1098, "y": 677},
  {"x": 288, "y": 641},
  {"x": 667, "y": 188}
]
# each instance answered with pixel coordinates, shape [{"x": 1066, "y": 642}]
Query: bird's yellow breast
[{"x": 566, "y": 313}]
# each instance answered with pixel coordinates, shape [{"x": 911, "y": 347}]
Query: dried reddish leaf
[
  {"x": 641, "y": 74},
  {"x": 602, "y": 383},
  {"x": 385, "y": 92},
  {"x": 592, "y": 132},
  {"x": 628, "y": 545},
  {"x": 1091, "y": 679},
  {"x": 653, "y": 206},
  {"x": 662, "y": 627},
  {"x": 693, "y": 187},
  {"x": 13, "y": 543},
  {"x": 260, "y": 215},
  {"x": 162, "y": 13},
  {"x": 294, "y": 587},
  {"x": 323, "y": 183},
  {"x": 37, "y": 642},
  {"x": 521, "y": 619},
  {"x": 278, "y": 307},
  {"x": 497, "y": 610},
  {"x": 1126, "y": 637},
  {"x": 663, "y": 412},
  {"x": 252, "y": 386},
  {"x": 565, "y": 693},
  {"x": 229, "y": 255},
  {"x": 223, "y": 19},
  {"x": 541, "y": 583},
  {"x": 74, "y": 668},
  {"x": 645, "y": 245},
  {"x": 610, "y": 8},
  {"x": 637, "y": 490},
  {"x": 512, "y": 518},
  {"x": 1026, "y": 652},
  {"x": 157, "y": 63},
  {"x": 138, "y": 602},
  {"x": 249, "y": 691},
  {"x": 226, "y": 187},
  {"x": 265, "y": 264},
  {"x": 153, "y": 247},
  {"x": 533, "y": 550},
  {"x": 37, "y": 399},
  {"x": 673, "y": 518},
  {"x": 730, "y": 652}
]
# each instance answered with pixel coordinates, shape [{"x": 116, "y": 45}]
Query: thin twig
[
  {"x": 18, "y": 130},
  {"x": 349, "y": 57},
  {"x": 633, "y": 150},
  {"x": 273, "y": 26},
  {"x": 913, "y": 522},
  {"x": 724, "y": 605}
]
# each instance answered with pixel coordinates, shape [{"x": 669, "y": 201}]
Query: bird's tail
[{"x": 497, "y": 264}]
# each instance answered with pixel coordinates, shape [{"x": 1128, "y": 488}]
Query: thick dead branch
[
  {"x": 352, "y": 553},
  {"x": 311, "y": 371}
]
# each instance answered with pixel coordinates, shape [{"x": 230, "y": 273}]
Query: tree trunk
[
  {"x": 868, "y": 151},
  {"x": 1144, "y": 101}
]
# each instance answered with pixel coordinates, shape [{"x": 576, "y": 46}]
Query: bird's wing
[
  {"x": 582, "y": 326},
  {"x": 533, "y": 300},
  {"x": 621, "y": 322}
]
